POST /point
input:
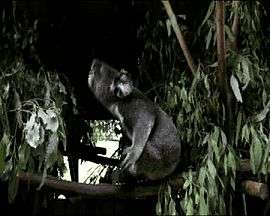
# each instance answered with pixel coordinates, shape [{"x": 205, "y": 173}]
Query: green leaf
[
  {"x": 232, "y": 182},
  {"x": 214, "y": 143},
  {"x": 169, "y": 27},
  {"x": 3, "y": 150},
  {"x": 225, "y": 166},
  {"x": 186, "y": 184},
  {"x": 24, "y": 155},
  {"x": 229, "y": 33},
  {"x": 203, "y": 208},
  {"x": 256, "y": 152},
  {"x": 172, "y": 208},
  {"x": 246, "y": 133},
  {"x": 224, "y": 138},
  {"x": 190, "y": 207},
  {"x": 202, "y": 175},
  {"x": 158, "y": 208},
  {"x": 262, "y": 115},
  {"x": 211, "y": 168},
  {"x": 231, "y": 162},
  {"x": 183, "y": 94},
  {"x": 235, "y": 88},
  {"x": 207, "y": 16},
  {"x": 238, "y": 126},
  {"x": 207, "y": 86},
  {"x": 197, "y": 198},
  {"x": 245, "y": 73},
  {"x": 222, "y": 207},
  {"x": 208, "y": 38}
]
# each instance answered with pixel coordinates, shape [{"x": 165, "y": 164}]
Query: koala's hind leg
[{"x": 127, "y": 176}]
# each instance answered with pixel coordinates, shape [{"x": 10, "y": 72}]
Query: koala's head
[{"x": 107, "y": 83}]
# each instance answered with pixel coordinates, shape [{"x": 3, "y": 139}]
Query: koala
[{"x": 155, "y": 146}]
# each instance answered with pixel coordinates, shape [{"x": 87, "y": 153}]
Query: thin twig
[{"x": 179, "y": 36}]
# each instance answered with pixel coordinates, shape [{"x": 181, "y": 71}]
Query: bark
[
  {"x": 125, "y": 191},
  {"x": 221, "y": 74},
  {"x": 235, "y": 29},
  {"x": 99, "y": 191}
]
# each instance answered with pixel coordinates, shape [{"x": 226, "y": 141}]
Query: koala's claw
[
  {"x": 125, "y": 163},
  {"x": 128, "y": 162},
  {"x": 127, "y": 150}
]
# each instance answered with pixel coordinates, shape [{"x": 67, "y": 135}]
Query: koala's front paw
[
  {"x": 129, "y": 162},
  {"x": 127, "y": 150}
]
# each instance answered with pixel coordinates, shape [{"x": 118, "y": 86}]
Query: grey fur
[{"x": 155, "y": 150}]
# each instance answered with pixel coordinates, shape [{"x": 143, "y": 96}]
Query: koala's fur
[{"x": 155, "y": 150}]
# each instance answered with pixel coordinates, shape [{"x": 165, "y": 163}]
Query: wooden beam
[
  {"x": 126, "y": 191},
  {"x": 99, "y": 191}
]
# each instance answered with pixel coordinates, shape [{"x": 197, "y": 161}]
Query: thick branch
[
  {"x": 107, "y": 191},
  {"x": 235, "y": 28},
  {"x": 222, "y": 75},
  {"x": 100, "y": 191},
  {"x": 179, "y": 36}
]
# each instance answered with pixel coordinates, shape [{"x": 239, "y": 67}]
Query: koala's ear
[{"x": 123, "y": 86}]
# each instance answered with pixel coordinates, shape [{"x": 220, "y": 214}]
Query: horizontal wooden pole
[
  {"x": 130, "y": 191},
  {"x": 98, "y": 191}
]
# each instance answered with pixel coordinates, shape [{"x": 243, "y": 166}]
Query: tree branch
[
  {"x": 99, "y": 191},
  {"x": 222, "y": 75},
  {"x": 235, "y": 29},
  {"x": 179, "y": 36},
  {"x": 107, "y": 191}
]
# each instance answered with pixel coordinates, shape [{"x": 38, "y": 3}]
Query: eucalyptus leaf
[
  {"x": 172, "y": 208},
  {"x": 203, "y": 208},
  {"x": 236, "y": 90},
  {"x": 190, "y": 207},
  {"x": 158, "y": 208},
  {"x": 256, "y": 152},
  {"x": 231, "y": 162},
  {"x": 208, "y": 38},
  {"x": 211, "y": 168},
  {"x": 238, "y": 127},
  {"x": 169, "y": 27},
  {"x": 223, "y": 138},
  {"x": 202, "y": 175},
  {"x": 3, "y": 151},
  {"x": 262, "y": 115},
  {"x": 186, "y": 184},
  {"x": 225, "y": 165}
]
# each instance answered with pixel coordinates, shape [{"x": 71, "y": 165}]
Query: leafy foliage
[
  {"x": 105, "y": 130},
  {"x": 32, "y": 101},
  {"x": 213, "y": 152}
]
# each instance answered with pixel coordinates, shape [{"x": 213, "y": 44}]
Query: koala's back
[{"x": 162, "y": 151}]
